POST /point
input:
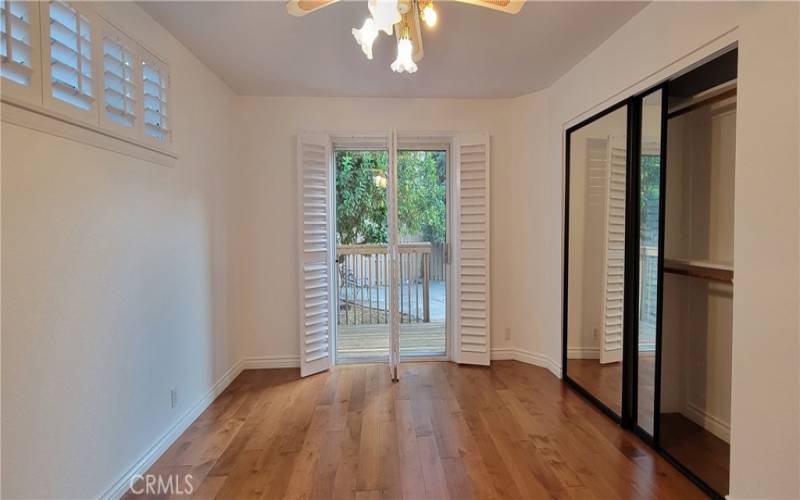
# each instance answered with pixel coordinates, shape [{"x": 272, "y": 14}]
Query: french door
[{"x": 394, "y": 249}]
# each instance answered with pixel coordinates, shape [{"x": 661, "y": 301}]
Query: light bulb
[
  {"x": 385, "y": 13},
  {"x": 366, "y": 36},
  {"x": 429, "y": 15},
  {"x": 404, "y": 62}
]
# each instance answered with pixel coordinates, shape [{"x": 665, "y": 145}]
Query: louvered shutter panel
[
  {"x": 70, "y": 68},
  {"x": 119, "y": 87},
  {"x": 155, "y": 84},
  {"x": 16, "y": 44},
  {"x": 472, "y": 267},
  {"x": 614, "y": 274},
  {"x": 315, "y": 242},
  {"x": 20, "y": 59}
]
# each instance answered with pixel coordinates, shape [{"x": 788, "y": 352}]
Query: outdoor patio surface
[{"x": 368, "y": 342}]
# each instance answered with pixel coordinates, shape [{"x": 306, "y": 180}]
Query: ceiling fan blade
[
  {"x": 414, "y": 32},
  {"x": 302, "y": 7},
  {"x": 507, "y": 6}
]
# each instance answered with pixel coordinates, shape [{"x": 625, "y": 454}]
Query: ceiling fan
[{"x": 401, "y": 17}]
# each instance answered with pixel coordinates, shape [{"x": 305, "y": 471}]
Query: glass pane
[
  {"x": 362, "y": 267},
  {"x": 422, "y": 224},
  {"x": 649, "y": 215},
  {"x": 596, "y": 258}
]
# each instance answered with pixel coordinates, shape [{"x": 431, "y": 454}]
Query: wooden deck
[{"x": 372, "y": 341}]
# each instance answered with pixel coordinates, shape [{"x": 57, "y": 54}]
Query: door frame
[
  {"x": 436, "y": 142},
  {"x": 382, "y": 141}
]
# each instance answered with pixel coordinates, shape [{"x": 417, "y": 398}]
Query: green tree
[
  {"x": 421, "y": 194},
  {"x": 361, "y": 205}
]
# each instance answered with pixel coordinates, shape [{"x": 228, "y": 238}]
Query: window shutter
[
  {"x": 315, "y": 241},
  {"x": 614, "y": 274},
  {"x": 19, "y": 50},
  {"x": 70, "y": 56},
  {"x": 155, "y": 84},
  {"x": 472, "y": 267},
  {"x": 119, "y": 81}
]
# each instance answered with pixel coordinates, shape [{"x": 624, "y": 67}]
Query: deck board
[{"x": 370, "y": 341}]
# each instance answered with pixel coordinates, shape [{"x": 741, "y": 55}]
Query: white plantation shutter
[
  {"x": 19, "y": 50},
  {"x": 614, "y": 273},
  {"x": 69, "y": 65},
  {"x": 472, "y": 266},
  {"x": 315, "y": 249},
  {"x": 15, "y": 45},
  {"x": 120, "y": 94},
  {"x": 155, "y": 85}
]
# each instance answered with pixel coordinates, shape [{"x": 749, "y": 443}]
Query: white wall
[
  {"x": 662, "y": 39},
  {"x": 114, "y": 286},
  {"x": 265, "y": 275}
]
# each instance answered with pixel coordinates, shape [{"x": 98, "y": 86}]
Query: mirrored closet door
[
  {"x": 595, "y": 257},
  {"x": 648, "y": 266}
]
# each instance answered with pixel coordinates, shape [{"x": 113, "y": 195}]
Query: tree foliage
[
  {"x": 421, "y": 194},
  {"x": 362, "y": 206}
]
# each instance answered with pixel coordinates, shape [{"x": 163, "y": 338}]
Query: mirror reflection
[
  {"x": 596, "y": 256},
  {"x": 649, "y": 215}
]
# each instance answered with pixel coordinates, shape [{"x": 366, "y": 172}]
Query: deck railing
[{"x": 363, "y": 283}]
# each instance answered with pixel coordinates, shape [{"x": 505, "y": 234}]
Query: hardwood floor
[
  {"x": 605, "y": 383},
  {"x": 442, "y": 431}
]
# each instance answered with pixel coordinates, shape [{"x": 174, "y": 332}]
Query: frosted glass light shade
[
  {"x": 404, "y": 62},
  {"x": 385, "y": 14},
  {"x": 366, "y": 36}
]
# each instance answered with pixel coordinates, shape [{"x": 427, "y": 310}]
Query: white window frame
[
  {"x": 147, "y": 57},
  {"x": 32, "y": 93},
  {"x": 134, "y": 131},
  {"x": 48, "y": 100}
]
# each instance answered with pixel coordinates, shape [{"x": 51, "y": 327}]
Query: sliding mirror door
[
  {"x": 648, "y": 296},
  {"x": 595, "y": 256}
]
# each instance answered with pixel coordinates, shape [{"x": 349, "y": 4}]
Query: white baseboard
[
  {"x": 708, "y": 422},
  {"x": 528, "y": 357},
  {"x": 261, "y": 362},
  {"x": 120, "y": 487},
  {"x": 583, "y": 353}
]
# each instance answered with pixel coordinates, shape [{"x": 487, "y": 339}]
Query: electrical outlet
[
  {"x": 173, "y": 397},
  {"x": 594, "y": 334},
  {"x": 508, "y": 333}
]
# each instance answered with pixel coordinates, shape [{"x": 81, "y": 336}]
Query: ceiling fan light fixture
[
  {"x": 429, "y": 15},
  {"x": 366, "y": 36},
  {"x": 385, "y": 14},
  {"x": 404, "y": 61}
]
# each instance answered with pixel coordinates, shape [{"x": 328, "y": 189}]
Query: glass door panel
[
  {"x": 363, "y": 276},
  {"x": 595, "y": 258},
  {"x": 650, "y": 178},
  {"x": 422, "y": 231}
]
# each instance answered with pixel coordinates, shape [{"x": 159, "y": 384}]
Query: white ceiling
[{"x": 259, "y": 49}]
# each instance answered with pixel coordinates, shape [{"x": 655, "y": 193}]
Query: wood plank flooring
[{"x": 443, "y": 431}]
